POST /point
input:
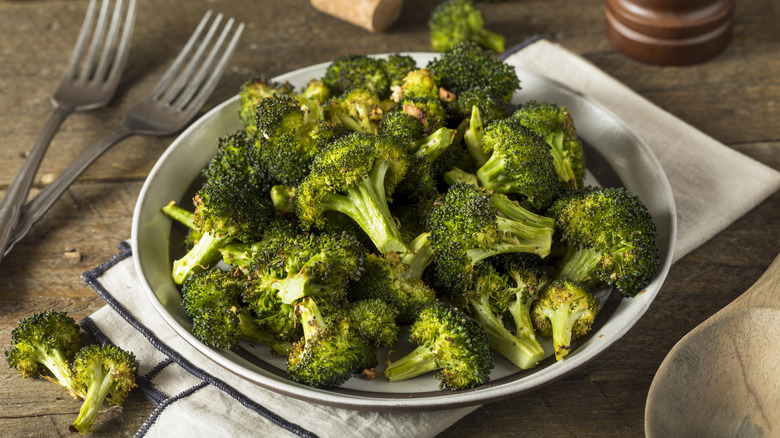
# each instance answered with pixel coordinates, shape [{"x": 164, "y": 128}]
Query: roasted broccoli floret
[
  {"x": 399, "y": 284},
  {"x": 467, "y": 65},
  {"x": 250, "y": 94},
  {"x": 397, "y": 66},
  {"x": 405, "y": 128},
  {"x": 357, "y": 71},
  {"x": 42, "y": 345},
  {"x": 289, "y": 135},
  {"x": 355, "y": 176},
  {"x": 319, "y": 266},
  {"x": 212, "y": 299},
  {"x": 375, "y": 320},
  {"x": 456, "y": 21},
  {"x": 470, "y": 224},
  {"x": 520, "y": 165},
  {"x": 237, "y": 155},
  {"x": 564, "y": 311},
  {"x": 358, "y": 109},
  {"x": 610, "y": 235},
  {"x": 448, "y": 342},
  {"x": 104, "y": 373},
  {"x": 329, "y": 352},
  {"x": 524, "y": 284},
  {"x": 490, "y": 107},
  {"x": 556, "y": 126},
  {"x": 228, "y": 210}
]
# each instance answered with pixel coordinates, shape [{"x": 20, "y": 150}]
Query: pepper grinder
[{"x": 670, "y": 32}]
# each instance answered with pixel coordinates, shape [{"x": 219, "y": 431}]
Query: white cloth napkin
[{"x": 712, "y": 186}]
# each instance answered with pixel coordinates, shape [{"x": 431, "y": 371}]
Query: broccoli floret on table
[
  {"x": 555, "y": 124},
  {"x": 564, "y": 311},
  {"x": 42, "y": 345},
  {"x": 105, "y": 373},
  {"x": 449, "y": 342},
  {"x": 610, "y": 238},
  {"x": 456, "y": 21}
]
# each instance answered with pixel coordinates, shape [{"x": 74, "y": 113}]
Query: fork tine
[
  {"x": 205, "y": 91},
  {"x": 173, "y": 91},
  {"x": 81, "y": 41},
  {"x": 108, "y": 45},
  {"x": 192, "y": 86},
  {"x": 124, "y": 44},
  {"x": 88, "y": 65},
  {"x": 177, "y": 63}
]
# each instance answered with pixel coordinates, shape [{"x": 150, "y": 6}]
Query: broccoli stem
[
  {"x": 561, "y": 161},
  {"x": 489, "y": 39},
  {"x": 562, "y": 321},
  {"x": 420, "y": 361},
  {"x": 517, "y": 237},
  {"x": 456, "y": 175},
  {"x": 473, "y": 138},
  {"x": 184, "y": 217},
  {"x": 283, "y": 198},
  {"x": 524, "y": 330},
  {"x": 434, "y": 144},
  {"x": 252, "y": 332},
  {"x": 579, "y": 265},
  {"x": 419, "y": 256},
  {"x": 57, "y": 363},
  {"x": 367, "y": 205},
  {"x": 492, "y": 174},
  {"x": 519, "y": 351},
  {"x": 99, "y": 387},
  {"x": 199, "y": 258}
]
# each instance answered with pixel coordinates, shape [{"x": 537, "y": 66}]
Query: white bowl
[{"x": 615, "y": 156}]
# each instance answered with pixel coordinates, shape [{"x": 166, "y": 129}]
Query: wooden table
[{"x": 734, "y": 98}]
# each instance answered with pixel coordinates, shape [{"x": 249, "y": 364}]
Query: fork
[
  {"x": 90, "y": 81},
  {"x": 173, "y": 102}
]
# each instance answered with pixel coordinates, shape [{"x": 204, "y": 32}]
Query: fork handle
[
  {"x": 16, "y": 195},
  {"x": 49, "y": 194}
]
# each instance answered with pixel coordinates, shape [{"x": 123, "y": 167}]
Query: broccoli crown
[
  {"x": 315, "y": 90},
  {"x": 288, "y": 136},
  {"x": 354, "y": 176},
  {"x": 384, "y": 278},
  {"x": 448, "y": 342},
  {"x": 105, "y": 373},
  {"x": 375, "y": 320},
  {"x": 251, "y": 92},
  {"x": 404, "y": 127},
  {"x": 490, "y": 107},
  {"x": 232, "y": 209},
  {"x": 555, "y": 124},
  {"x": 419, "y": 83},
  {"x": 42, "y": 344},
  {"x": 520, "y": 164},
  {"x": 307, "y": 265},
  {"x": 357, "y": 71},
  {"x": 397, "y": 66},
  {"x": 358, "y": 109},
  {"x": 457, "y": 21},
  {"x": 467, "y": 65},
  {"x": 329, "y": 353},
  {"x": 212, "y": 300},
  {"x": 236, "y": 155},
  {"x": 564, "y": 311},
  {"x": 470, "y": 224},
  {"x": 431, "y": 113},
  {"x": 611, "y": 234}
]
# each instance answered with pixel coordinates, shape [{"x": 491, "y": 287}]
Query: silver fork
[
  {"x": 176, "y": 98},
  {"x": 89, "y": 81}
]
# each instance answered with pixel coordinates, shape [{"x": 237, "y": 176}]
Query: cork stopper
[
  {"x": 670, "y": 32},
  {"x": 372, "y": 15}
]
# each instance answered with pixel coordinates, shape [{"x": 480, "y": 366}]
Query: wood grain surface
[{"x": 735, "y": 98}]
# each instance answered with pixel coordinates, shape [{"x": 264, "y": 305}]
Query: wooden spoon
[{"x": 723, "y": 378}]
